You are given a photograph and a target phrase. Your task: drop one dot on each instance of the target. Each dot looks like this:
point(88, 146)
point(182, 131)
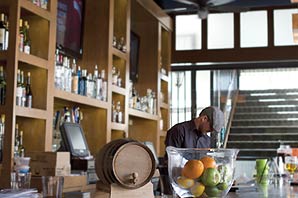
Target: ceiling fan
point(204, 6)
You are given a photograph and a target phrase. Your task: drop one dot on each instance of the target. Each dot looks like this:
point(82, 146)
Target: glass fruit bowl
point(201, 172)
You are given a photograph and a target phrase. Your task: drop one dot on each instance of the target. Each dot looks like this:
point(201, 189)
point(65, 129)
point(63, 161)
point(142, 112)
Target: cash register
point(74, 141)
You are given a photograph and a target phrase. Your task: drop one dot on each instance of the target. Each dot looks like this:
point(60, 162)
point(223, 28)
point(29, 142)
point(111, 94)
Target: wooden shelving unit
point(103, 20)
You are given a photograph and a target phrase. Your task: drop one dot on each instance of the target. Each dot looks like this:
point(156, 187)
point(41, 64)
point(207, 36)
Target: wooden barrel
point(126, 162)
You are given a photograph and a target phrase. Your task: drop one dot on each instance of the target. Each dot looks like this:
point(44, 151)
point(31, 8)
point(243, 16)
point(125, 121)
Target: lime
point(211, 177)
point(212, 191)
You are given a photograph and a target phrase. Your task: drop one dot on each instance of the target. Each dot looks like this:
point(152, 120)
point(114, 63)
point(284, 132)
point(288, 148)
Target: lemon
point(185, 182)
point(198, 189)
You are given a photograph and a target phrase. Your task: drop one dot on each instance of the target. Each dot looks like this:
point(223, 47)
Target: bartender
point(194, 133)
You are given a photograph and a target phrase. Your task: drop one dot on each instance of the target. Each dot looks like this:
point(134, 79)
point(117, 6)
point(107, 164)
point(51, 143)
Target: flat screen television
point(134, 56)
point(74, 139)
point(70, 27)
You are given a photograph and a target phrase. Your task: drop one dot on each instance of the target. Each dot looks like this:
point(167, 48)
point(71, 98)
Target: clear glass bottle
point(104, 88)
point(90, 86)
point(23, 103)
point(119, 113)
point(21, 36)
point(114, 112)
point(74, 78)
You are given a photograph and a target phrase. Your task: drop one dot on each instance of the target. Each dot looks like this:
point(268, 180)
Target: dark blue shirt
point(185, 135)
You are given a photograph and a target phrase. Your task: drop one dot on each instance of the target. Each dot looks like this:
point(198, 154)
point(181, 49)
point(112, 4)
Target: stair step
point(266, 91)
point(265, 115)
point(260, 144)
point(266, 122)
point(243, 97)
point(260, 136)
point(273, 108)
point(264, 130)
point(268, 102)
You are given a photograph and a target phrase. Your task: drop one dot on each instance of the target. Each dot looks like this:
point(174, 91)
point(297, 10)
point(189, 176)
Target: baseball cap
point(215, 116)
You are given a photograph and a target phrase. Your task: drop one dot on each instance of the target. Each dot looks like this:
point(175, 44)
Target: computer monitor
point(74, 139)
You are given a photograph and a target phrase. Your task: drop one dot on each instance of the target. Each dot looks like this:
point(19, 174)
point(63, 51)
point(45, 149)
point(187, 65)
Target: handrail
point(229, 124)
point(229, 108)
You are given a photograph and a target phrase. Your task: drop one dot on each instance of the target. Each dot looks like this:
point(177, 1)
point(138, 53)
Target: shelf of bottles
point(74, 83)
point(28, 126)
point(31, 83)
point(33, 34)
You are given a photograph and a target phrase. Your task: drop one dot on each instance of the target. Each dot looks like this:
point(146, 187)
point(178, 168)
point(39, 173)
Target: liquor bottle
point(6, 36)
point(90, 86)
point(29, 95)
point(104, 88)
point(98, 83)
point(21, 148)
point(79, 73)
point(2, 86)
point(74, 78)
point(114, 112)
point(16, 141)
point(83, 83)
point(27, 40)
point(119, 113)
point(2, 31)
point(114, 76)
point(23, 102)
point(59, 71)
point(67, 75)
point(2, 130)
point(19, 91)
point(95, 79)
point(21, 36)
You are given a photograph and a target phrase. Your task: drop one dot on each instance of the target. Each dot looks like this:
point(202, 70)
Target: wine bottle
point(29, 95)
point(74, 78)
point(21, 148)
point(2, 31)
point(23, 102)
point(27, 40)
point(2, 86)
point(21, 36)
point(19, 92)
point(2, 130)
point(16, 141)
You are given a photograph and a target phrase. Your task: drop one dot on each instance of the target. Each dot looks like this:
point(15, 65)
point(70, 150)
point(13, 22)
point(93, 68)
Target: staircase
point(262, 119)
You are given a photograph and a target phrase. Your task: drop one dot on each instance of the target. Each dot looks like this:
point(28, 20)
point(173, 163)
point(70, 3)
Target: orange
point(208, 162)
point(193, 169)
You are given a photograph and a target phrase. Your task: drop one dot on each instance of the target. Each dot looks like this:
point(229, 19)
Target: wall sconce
point(295, 27)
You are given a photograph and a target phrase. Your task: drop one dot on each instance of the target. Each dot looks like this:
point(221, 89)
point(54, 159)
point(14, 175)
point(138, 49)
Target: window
point(220, 31)
point(188, 32)
point(253, 29)
point(283, 33)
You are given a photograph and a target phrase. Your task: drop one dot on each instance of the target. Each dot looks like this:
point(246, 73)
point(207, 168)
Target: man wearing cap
point(193, 133)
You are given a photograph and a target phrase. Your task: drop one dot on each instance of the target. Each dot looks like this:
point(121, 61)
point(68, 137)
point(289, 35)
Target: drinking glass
point(291, 165)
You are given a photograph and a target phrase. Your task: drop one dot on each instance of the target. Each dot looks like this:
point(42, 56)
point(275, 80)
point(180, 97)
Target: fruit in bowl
point(201, 172)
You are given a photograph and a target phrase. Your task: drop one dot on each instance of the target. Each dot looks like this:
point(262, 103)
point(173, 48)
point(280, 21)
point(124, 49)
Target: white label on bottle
point(6, 40)
point(21, 42)
point(27, 49)
point(2, 38)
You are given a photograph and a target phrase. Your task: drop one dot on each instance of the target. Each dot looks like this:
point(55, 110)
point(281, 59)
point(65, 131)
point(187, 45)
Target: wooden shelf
point(31, 113)
point(164, 105)
point(119, 53)
point(118, 90)
point(3, 55)
point(164, 77)
point(118, 126)
point(28, 5)
point(80, 99)
point(141, 114)
point(33, 60)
